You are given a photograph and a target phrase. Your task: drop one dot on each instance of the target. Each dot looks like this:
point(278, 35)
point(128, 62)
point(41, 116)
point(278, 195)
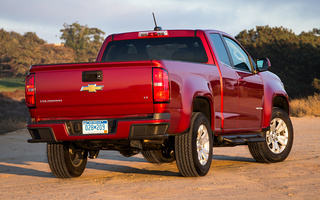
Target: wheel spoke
point(199, 149)
point(200, 130)
point(269, 137)
point(199, 156)
point(205, 140)
point(269, 142)
point(204, 135)
point(276, 147)
point(273, 147)
point(273, 125)
point(204, 155)
point(283, 140)
point(281, 126)
point(279, 121)
point(206, 151)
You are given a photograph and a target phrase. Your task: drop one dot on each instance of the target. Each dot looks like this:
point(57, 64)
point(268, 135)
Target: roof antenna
point(156, 28)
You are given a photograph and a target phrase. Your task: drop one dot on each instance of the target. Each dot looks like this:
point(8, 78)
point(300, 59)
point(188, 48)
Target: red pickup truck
point(172, 95)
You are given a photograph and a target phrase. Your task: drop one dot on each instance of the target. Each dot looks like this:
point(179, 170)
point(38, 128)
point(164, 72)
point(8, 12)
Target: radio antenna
point(156, 28)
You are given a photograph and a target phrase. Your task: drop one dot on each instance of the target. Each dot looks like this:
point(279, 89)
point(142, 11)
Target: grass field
point(11, 84)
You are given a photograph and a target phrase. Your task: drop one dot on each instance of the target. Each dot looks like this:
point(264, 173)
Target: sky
point(46, 17)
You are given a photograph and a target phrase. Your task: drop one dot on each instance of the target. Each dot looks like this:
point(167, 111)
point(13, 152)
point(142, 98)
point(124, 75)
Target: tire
point(128, 153)
point(66, 161)
point(278, 140)
point(158, 156)
point(194, 149)
point(163, 155)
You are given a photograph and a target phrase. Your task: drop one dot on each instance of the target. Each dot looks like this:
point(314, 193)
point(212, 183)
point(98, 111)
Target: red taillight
point(161, 89)
point(30, 91)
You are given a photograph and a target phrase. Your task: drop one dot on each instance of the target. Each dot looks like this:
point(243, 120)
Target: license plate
point(95, 127)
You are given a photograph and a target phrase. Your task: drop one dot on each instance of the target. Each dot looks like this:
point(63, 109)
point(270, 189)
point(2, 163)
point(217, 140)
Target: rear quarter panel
point(188, 81)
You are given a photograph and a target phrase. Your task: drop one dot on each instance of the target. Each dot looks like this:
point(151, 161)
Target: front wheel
point(194, 149)
point(65, 160)
point(278, 140)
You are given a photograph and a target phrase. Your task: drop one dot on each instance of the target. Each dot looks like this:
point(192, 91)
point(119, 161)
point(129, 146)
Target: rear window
point(188, 49)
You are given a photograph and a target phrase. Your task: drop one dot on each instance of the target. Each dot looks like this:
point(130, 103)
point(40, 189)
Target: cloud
point(46, 18)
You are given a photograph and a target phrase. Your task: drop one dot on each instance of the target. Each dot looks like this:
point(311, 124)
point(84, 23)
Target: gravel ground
point(25, 174)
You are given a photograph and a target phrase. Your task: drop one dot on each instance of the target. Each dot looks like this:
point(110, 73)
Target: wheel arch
point(204, 105)
point(281, 102)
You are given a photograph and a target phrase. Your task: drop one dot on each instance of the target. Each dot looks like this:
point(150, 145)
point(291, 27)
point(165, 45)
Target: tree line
point(295, 58)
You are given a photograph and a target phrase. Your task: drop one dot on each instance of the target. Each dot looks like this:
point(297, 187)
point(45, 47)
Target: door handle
point(92, 76)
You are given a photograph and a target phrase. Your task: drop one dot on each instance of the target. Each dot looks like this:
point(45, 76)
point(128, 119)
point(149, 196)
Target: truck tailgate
point(68, 90)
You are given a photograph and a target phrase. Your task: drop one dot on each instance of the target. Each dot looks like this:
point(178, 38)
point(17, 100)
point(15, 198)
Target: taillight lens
point(30, 91)
point(161, 88)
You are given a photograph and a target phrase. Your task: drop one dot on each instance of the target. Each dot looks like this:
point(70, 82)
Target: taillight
point(161, 88)
point(30, 91)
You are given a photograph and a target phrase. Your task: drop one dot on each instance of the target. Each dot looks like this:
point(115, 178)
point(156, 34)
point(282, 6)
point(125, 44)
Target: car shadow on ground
point(233, 158)
point(167, 169)
point(133, 170)
point(22, 171)
point(118, 157)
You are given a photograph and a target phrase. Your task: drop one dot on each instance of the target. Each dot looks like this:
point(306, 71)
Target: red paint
point(239, 101)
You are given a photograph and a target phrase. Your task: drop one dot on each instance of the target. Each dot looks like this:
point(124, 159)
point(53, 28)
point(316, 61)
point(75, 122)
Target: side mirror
point(263, 64)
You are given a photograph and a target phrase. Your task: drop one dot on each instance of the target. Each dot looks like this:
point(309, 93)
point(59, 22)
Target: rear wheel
point(65, 160)
point(194, 149)
point(128, 153)
point(278, 140)
point(163, 155)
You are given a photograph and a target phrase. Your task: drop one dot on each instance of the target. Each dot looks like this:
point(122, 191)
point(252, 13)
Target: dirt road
point(25, 174)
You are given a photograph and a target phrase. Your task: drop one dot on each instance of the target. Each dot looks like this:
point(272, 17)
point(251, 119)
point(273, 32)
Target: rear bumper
point(154, 127)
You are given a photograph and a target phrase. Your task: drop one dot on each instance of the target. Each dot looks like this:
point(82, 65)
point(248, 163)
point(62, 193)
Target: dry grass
point(309, 106)
point(12, 123)
point(13, 112)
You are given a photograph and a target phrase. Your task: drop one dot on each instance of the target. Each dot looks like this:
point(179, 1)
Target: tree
point(295, 58)
point(18, 52)
point(83, 40)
